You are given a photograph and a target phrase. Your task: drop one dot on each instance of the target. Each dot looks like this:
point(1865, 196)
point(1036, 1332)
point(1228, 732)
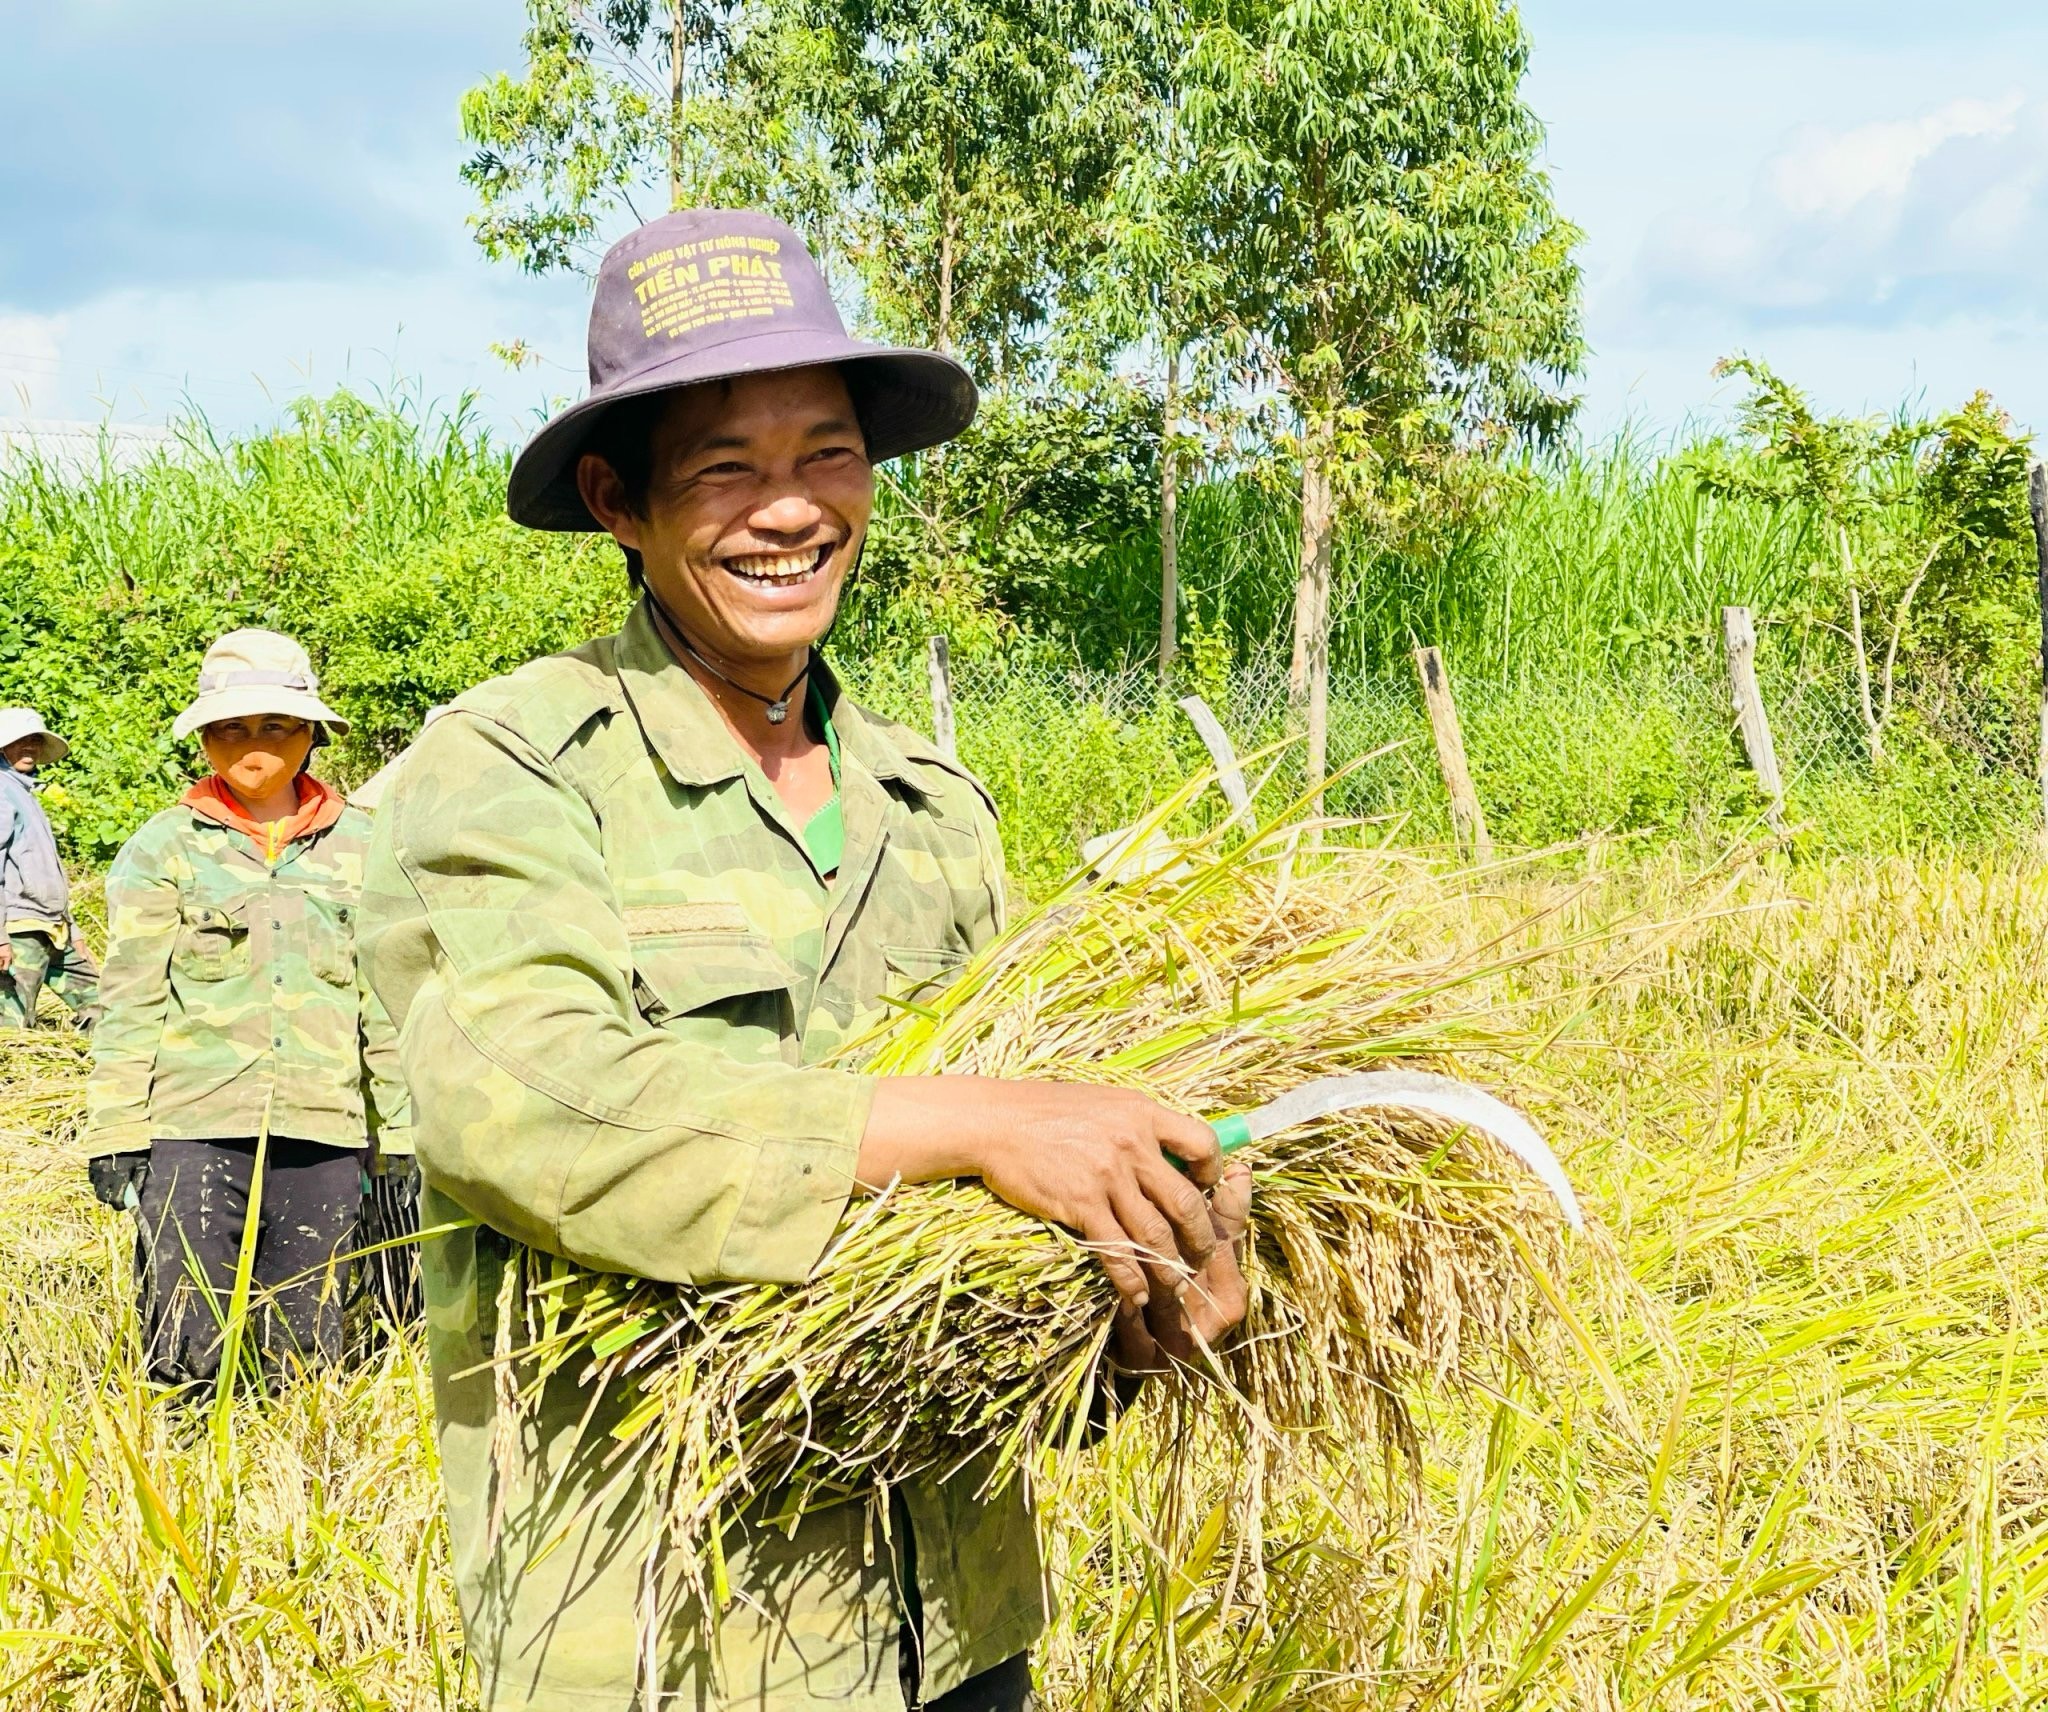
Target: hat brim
point(906, 400)
point(252, 702)
point(25, 723)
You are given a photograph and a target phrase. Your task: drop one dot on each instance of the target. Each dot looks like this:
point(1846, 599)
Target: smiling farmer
point(234, 1019)
point(622, 905)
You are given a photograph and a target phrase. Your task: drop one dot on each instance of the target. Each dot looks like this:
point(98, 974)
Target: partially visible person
point(42, 947)
point(388, 1247)
point(234, 1026)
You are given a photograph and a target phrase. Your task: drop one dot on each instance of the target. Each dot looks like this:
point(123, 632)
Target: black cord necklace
point(777, 706)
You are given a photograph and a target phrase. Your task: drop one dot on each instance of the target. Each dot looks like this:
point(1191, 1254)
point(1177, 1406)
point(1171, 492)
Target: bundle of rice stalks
point(944, 1329)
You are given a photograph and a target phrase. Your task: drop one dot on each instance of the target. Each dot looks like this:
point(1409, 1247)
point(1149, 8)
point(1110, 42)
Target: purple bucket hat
point(710, 294)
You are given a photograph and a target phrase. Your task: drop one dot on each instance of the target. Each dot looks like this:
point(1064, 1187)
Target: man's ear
point(605, 495)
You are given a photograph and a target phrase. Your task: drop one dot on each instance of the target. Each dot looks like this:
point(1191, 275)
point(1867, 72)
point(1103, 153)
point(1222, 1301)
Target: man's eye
point(723, 470)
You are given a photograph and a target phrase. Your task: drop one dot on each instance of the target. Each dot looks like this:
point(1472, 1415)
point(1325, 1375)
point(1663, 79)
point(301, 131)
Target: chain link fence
point(1069, 752)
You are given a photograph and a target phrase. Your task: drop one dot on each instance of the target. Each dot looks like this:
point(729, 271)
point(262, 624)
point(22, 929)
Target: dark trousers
point(193, 1209)
point(1007, 1688)
point(1004, 1688)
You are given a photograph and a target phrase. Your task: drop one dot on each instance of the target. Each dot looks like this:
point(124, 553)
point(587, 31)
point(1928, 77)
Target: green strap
point(825, 831)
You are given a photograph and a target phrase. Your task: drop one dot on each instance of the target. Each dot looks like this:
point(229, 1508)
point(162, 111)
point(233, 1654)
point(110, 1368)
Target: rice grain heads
point(945, 1333)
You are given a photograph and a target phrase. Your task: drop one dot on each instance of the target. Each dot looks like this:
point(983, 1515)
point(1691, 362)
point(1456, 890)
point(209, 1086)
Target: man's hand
point(1092, 1159)
point(1180, 1321)
point(6, 954)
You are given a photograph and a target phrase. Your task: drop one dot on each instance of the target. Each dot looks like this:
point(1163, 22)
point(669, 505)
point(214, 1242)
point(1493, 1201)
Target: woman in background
point(234, 1031)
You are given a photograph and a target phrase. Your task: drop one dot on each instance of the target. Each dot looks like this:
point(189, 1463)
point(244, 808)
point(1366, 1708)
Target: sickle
point(1409, 1091)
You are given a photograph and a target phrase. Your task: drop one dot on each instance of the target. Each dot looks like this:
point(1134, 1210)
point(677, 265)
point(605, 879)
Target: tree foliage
point(1393, 239)
point(1392, 243)
point(628, 108)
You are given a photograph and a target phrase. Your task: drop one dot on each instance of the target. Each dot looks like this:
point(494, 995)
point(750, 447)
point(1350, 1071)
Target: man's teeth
point(778, 567)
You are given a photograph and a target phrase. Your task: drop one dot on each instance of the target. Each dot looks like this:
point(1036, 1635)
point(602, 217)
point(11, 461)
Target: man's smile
point(780, 570)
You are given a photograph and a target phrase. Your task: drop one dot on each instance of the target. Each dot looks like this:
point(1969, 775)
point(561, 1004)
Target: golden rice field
point(1784, 1442)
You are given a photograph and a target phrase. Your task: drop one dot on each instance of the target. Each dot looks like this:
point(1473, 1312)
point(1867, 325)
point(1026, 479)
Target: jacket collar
point(685, 729)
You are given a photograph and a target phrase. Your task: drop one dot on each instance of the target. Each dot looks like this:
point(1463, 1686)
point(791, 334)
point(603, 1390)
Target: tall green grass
point(1581, 562)
point(1576, 608)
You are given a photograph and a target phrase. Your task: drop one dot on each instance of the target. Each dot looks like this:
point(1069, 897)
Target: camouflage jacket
point(231, 992)
point(615, 975)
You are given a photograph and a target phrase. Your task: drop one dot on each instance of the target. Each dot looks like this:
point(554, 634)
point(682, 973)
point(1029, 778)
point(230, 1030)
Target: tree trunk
point(947, 224)
point(1309, 678)
point(1169, 521)
point(678, 45)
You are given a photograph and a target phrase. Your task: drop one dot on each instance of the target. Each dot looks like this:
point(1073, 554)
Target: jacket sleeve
point(11, 829)
point(385, 1100)
point(135, 995)
point(543, 1102)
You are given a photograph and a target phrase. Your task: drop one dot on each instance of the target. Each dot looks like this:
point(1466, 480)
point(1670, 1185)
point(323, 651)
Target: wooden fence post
point(1468, 819)
point(2037, 501)
point(1738, 631)
point(939, 661)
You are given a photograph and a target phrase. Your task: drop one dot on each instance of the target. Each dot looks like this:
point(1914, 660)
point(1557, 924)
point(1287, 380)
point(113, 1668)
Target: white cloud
point(1888, 223)
point(239, 350)
point(31, 359)
point(1831, 175)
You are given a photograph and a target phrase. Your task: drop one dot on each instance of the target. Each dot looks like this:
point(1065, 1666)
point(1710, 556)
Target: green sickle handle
point(1232, 1133)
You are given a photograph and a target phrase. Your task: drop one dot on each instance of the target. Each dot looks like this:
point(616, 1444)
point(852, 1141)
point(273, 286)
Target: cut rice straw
point(946, 1335)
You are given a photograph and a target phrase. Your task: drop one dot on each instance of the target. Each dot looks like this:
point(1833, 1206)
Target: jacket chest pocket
point(331, 939)
point(728, 989)
point(916, 972)
point(212, 943)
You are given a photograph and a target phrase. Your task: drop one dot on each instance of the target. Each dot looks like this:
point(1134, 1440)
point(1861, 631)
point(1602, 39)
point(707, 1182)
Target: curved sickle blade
point(1414, 1091)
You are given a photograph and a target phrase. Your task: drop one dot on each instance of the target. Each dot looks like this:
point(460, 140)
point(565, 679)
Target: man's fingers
point(1230, 1207)
point(1185, 1208)
point(1153, 1238)
point(1112, 1249)
point(1192, 1142)
point(1216, 1303)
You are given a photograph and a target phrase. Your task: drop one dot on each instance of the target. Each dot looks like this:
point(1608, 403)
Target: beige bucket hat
point(251, 672)
point(19, 722)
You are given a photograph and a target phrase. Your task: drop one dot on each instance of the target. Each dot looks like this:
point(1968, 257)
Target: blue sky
point(235, 202)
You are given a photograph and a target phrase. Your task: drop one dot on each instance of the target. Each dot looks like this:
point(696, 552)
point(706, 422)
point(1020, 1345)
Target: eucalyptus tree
point(963, 132)
point(628, 108)
point(1154, 280)
point(1385, 229)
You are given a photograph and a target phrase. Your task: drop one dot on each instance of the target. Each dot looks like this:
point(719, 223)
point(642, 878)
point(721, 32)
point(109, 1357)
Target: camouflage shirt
point(615, 975)
point(231, 992)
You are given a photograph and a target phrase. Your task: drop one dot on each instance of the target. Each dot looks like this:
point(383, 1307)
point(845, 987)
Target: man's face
point(24, 754)
point(759, 501)
point(258, 756)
